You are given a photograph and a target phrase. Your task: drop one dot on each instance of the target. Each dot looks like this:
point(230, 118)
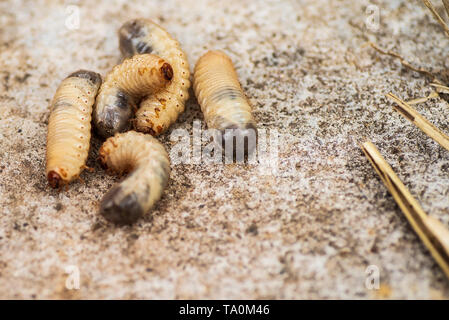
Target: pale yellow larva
point(128, 82)
point(147, 162)
point(222, 100)
point(158, 111)
point(68, 137)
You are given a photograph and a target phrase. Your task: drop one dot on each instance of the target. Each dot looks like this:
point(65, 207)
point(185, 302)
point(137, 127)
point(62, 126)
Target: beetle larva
point(68, 136)
point(222, 100)
point(147, 161)
point(157, 112)
point(129, 81)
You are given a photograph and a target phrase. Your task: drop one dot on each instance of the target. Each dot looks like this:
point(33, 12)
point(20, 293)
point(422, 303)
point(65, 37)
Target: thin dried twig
point(418, 120)
point(404, 62)
point(436, 15)
point(431, 231)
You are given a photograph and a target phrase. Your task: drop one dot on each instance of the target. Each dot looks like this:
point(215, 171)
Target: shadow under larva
point(69, 128)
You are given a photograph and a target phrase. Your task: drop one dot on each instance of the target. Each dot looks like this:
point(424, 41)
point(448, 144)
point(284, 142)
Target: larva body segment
point(222, 100)
point(128, 82)
point(149, 166)
point(157, 112)
point(68, 136)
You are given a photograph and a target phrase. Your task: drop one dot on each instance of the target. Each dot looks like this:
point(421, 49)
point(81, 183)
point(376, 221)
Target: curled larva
point(129, 81)
point(157, 112)
point(149, 166)
point(222, 100)
point(68, 137)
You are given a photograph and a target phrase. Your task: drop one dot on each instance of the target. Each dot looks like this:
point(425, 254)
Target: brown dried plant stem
point(436, 15)
point(440, 88)
point(446, 6)
point(404, 62)
point(431, 231)
point(418, 120)
point(432, 95)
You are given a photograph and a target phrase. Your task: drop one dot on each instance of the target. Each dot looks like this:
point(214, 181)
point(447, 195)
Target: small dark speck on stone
point(259, 85)
point(19, 131)
point(201, 206)
point(96, 226)
point(252, 229)
point(58, 206)
point(23, 78)
point(300, 51)
point(149, 270)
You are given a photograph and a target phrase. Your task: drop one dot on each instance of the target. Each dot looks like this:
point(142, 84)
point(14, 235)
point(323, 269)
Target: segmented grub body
point(221, 98)
point(157, 112)
point(147, 162)
point(128, 82)
point(68, 137)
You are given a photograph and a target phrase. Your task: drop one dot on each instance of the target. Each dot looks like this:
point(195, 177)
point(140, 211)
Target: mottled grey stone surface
point(232, 231)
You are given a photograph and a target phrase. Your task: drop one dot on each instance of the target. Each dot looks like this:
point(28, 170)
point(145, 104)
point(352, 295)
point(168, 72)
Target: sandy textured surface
point(232, 231)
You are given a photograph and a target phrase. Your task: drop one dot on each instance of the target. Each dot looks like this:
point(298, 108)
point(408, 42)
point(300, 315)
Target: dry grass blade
point(436, 15)
point(431, 231)
point(432, 95)
point(440, 88)
point(446, 6)
point(418, 120)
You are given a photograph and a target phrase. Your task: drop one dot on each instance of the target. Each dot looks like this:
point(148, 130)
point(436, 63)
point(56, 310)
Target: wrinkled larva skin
point(157, 112)
point(221, 98)
point(68, 137)
point(128, 82)
point(149, 166)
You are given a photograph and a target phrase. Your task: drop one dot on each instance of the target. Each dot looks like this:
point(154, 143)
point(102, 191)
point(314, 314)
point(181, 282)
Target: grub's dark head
point(93, 77)
point(54, 179)
point(167, 71)
point(132, 38)
point(120, 208)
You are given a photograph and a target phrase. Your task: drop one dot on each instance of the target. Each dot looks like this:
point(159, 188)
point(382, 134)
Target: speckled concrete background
point(232, 231)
